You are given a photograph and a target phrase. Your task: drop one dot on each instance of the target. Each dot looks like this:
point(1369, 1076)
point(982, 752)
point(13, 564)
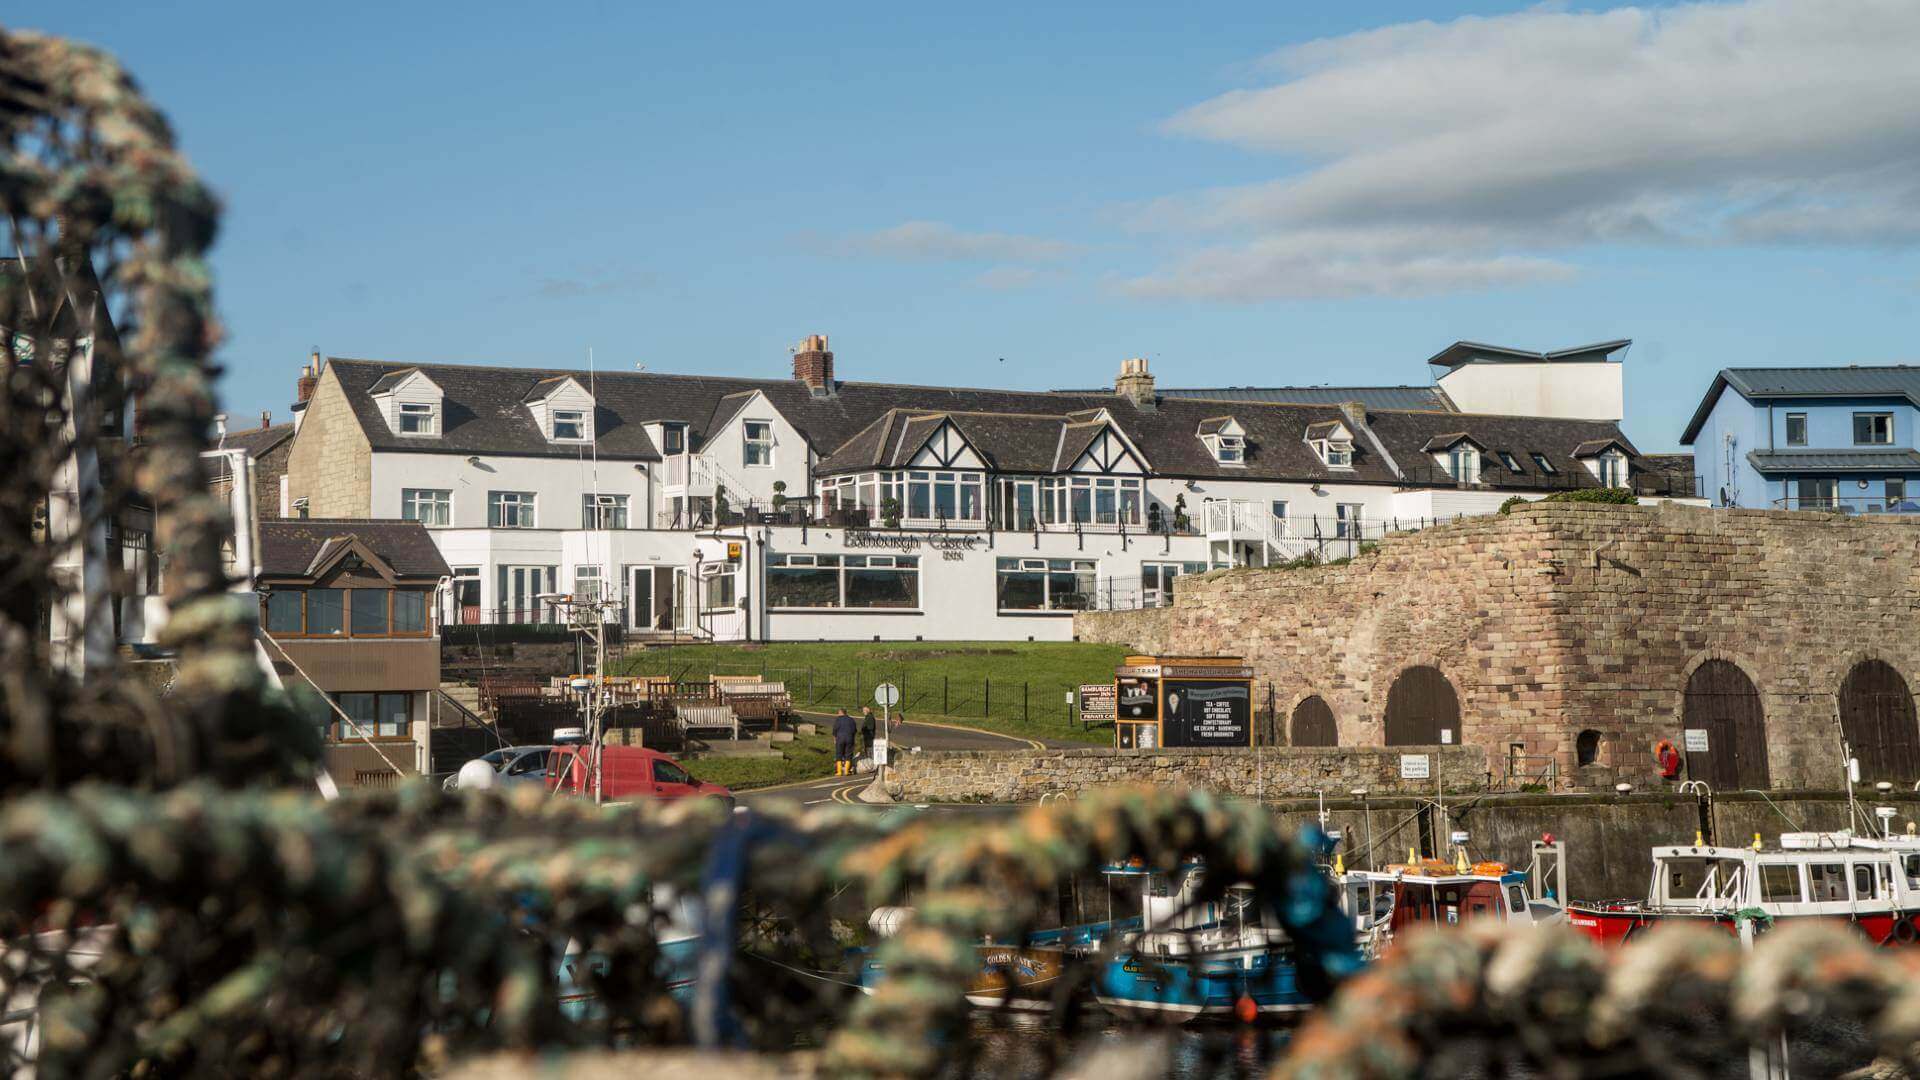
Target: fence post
point(856, 685)
point(986, 699)
point(1025, 716)
point(810, 697)
point(946, 709)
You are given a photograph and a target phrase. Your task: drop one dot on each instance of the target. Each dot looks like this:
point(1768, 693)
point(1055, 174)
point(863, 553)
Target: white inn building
point(815, 508)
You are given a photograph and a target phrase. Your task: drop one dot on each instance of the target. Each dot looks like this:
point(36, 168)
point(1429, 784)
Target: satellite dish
point(1723, 497)
point(475, 775)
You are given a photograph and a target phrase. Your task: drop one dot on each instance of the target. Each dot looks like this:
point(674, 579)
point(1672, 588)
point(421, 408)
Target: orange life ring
point(1668, 758)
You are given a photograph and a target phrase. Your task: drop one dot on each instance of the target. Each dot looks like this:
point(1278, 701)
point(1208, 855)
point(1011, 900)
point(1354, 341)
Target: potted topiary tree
point(1181, 522)
point(890, 512)
point(1153, 518)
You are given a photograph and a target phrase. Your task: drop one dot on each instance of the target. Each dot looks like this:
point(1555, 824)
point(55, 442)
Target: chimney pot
point(309, 378)
point(1135, 383)
point(266, 419)
point(813, 365)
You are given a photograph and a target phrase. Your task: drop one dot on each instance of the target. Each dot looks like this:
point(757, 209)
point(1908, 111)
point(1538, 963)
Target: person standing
point(844, 731)
point(866, 731)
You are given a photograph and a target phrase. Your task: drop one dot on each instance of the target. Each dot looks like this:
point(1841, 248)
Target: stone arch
point(1877, 717)
point(1719, 697)
point(1423, 708)
point(1313, 723)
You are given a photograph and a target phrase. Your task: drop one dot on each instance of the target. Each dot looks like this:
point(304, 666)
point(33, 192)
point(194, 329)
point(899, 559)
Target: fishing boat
point(1870, 881)
point(1021, 975)
point(1434, 892)
point(676, 963)
point(1194, 959)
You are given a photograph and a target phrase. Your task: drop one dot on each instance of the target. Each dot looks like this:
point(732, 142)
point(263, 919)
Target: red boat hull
point(1621, 925)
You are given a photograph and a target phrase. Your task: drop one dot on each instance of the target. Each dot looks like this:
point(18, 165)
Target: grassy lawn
point(807, 757)
point(1013, 687)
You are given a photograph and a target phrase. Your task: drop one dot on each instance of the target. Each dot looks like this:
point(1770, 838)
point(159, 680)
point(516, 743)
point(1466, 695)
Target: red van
point(630, 772)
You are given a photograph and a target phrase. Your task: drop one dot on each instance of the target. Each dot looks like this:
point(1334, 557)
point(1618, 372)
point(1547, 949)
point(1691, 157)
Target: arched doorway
point(1877, 717)
point(1313, 724)
point(1422, 709)
point(1724, 703)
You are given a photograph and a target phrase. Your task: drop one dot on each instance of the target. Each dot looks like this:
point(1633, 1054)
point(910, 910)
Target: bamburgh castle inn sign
point(949, 545)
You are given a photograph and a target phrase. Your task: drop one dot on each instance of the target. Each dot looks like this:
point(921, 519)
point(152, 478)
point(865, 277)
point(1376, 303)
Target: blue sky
point(1024, 195)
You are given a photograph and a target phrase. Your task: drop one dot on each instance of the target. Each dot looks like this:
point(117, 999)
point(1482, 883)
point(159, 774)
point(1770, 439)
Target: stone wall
point(331, 462)
point(1025, 775)
point(1143, 631)
point(1567, 618)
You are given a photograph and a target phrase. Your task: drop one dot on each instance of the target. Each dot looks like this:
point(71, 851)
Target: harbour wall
point(1569, 639)
point(1025, 775)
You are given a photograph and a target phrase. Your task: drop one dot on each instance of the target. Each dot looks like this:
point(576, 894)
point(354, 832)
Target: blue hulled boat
point(1193, 960)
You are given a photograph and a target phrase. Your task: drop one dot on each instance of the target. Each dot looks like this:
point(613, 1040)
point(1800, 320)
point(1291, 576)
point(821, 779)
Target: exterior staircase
point(1242, 532)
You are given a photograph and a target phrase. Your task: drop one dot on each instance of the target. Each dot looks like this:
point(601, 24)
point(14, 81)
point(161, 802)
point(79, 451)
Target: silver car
point(514, 766)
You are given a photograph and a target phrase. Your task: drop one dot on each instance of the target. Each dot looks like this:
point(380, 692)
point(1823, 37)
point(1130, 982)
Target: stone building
point(1569, 640)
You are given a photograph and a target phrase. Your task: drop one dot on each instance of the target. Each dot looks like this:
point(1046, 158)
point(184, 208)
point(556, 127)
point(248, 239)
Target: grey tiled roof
point(259, 440)
point(1889, 381)
point(1774, 461)
point(287, 547)
point(1373, 397)
point(1407, 434)
point(862, 425)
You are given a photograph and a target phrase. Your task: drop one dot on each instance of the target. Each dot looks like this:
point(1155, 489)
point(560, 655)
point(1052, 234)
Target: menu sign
point(1136, 699)
point(1099, 703)
point(1207, 712)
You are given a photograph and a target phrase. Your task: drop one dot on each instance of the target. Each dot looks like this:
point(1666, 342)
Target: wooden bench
point(693, 716)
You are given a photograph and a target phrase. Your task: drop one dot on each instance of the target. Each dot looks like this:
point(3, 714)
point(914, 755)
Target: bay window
point(1046, 584)
point(945, 496)
point(361, 613)
point(1019, 505)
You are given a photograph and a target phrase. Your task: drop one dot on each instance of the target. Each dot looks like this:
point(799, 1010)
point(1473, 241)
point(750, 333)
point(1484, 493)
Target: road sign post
point(886, 695)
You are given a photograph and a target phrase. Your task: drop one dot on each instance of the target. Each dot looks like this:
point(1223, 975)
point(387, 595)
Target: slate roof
point(862, 425)
point(1774, 461)
point(258, 441)
point(1467, 352)
point(1762, 384)
point(1447, 440)
point(288, 547)
point(1596, 447)
point(1373, 397)
point(1407, 434)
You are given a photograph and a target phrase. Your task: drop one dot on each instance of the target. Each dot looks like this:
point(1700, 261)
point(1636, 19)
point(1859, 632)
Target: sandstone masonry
point(331, 462)
point(1566, 618)
point(1025, 775)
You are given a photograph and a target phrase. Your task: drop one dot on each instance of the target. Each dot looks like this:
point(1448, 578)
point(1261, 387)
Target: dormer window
point(1512, 463)
point(569, 425)
point(1334, 453)
point(673, 439)
point(1463, 464)
point(1612, 469)
point(1225, 439)
point(1540, 462)
point(418, 419)
point(1332, 443)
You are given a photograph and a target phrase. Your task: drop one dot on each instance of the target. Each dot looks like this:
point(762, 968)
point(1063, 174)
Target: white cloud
point(934, 241)
point(1462, 155)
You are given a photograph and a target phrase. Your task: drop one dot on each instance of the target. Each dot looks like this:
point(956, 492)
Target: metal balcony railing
point(1849, 504)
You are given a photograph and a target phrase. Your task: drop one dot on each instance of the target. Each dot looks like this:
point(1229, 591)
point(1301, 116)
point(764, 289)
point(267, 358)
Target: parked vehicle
point(627, 773)
point(512, 766)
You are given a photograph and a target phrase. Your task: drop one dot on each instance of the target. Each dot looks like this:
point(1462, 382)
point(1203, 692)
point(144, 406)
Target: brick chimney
point(309, 378)
point(813, 365)
point(266, 419)
point(1356, 414)
point(1135, 383)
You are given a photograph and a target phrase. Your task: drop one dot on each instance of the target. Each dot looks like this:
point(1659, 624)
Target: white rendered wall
point(1579, 391)
point(559, 483)
point(725, 449)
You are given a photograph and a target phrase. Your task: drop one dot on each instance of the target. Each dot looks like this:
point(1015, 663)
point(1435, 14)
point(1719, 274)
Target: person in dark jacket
point(866, 731)
point(844, 731)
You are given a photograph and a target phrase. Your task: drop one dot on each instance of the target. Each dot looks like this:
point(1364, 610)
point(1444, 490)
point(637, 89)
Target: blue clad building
point(1834, 438)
